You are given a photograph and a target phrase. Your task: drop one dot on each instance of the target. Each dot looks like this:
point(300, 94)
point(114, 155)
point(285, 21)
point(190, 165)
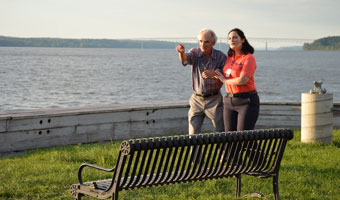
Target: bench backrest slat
point(212, 153)
point(176, 174)
point(203, 167)
point(247, 163)
point(181, 164)
point(266, 153)
point(271, 153)
point(132, 180)
point(146, 177)
point(126, 175)
point(170, 176)
point(142, 166)
point(279, 154)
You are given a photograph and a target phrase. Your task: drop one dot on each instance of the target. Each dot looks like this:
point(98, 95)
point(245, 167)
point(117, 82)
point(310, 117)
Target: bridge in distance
point(261, 43)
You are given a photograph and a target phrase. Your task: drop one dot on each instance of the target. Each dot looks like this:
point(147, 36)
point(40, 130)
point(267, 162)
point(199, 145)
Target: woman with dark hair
point(241, 104)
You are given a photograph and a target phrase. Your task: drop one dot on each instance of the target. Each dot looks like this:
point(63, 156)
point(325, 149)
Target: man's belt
point(206, 95)
point(244, 94)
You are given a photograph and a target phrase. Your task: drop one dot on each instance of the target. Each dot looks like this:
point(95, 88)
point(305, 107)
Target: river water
point(33, 78)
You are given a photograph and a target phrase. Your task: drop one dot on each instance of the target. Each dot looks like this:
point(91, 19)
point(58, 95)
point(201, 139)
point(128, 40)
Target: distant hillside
point(331, 43)
point(88, 43)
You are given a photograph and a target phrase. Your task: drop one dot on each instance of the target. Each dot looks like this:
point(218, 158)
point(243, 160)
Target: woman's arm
point(237, 81)
point(234, 81)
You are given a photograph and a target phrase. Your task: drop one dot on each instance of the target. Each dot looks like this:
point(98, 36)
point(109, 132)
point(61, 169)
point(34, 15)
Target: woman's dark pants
point(241, 113)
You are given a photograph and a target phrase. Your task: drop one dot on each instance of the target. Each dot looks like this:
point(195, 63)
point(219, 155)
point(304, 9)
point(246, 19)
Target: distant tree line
point(331, 43)
point(88, 43)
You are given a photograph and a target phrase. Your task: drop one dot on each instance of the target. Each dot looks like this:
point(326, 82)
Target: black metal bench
point(177, 159)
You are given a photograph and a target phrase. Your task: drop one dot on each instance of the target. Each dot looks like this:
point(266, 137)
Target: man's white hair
point(211, 32)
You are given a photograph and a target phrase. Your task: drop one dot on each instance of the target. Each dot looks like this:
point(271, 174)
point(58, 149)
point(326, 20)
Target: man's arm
point(211, 73)
point(208, 74)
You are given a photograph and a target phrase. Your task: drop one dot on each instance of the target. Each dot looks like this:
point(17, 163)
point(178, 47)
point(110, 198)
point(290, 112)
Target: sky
point(130, 19)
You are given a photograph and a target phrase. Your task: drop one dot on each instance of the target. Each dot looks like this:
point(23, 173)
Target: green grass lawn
point(308, 171)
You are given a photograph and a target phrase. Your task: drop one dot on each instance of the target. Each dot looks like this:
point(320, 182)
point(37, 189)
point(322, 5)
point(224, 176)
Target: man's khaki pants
point(212, 107)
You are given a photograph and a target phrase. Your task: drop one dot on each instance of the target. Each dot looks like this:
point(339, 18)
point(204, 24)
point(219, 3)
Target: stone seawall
point(29, 129)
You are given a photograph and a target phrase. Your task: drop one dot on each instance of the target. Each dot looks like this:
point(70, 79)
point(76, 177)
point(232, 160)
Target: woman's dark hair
point(246, 47)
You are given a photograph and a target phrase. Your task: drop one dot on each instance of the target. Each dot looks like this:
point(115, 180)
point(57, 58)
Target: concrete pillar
point(316, 118)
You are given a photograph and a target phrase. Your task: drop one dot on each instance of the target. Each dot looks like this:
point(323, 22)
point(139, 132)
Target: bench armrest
point(92, 166)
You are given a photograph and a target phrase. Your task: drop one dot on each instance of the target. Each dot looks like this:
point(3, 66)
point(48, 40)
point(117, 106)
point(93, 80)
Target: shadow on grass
point(336, 143)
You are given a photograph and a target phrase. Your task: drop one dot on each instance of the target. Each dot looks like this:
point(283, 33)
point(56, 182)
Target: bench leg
point(79, 196)
point(276, 187)
point(238, 185)
point(115, 196)
point(74, 188)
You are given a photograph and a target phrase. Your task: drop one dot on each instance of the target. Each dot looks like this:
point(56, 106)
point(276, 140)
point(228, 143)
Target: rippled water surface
point(33, 78)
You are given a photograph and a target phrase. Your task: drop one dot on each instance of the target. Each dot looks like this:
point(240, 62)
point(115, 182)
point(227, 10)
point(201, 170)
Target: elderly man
point(206, 99)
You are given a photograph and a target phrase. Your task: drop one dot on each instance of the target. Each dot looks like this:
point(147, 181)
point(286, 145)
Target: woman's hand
point(219, 75)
